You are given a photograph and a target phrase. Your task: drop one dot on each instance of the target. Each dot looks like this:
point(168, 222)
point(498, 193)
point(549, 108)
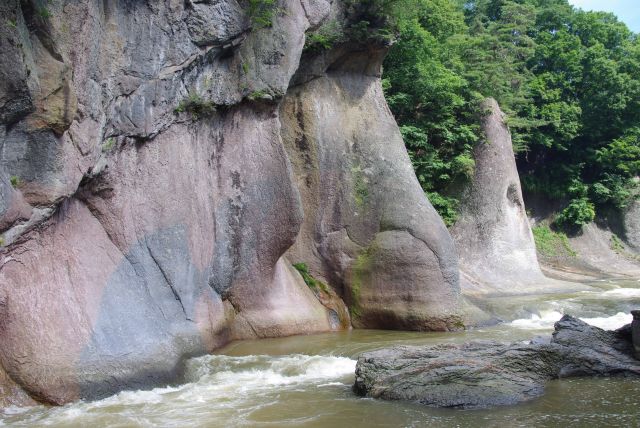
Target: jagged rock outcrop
point(493, 236)
point(483, 374)
point(147, 199)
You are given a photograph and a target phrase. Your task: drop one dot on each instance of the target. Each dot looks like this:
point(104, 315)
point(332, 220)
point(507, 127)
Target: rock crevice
point(163, 163)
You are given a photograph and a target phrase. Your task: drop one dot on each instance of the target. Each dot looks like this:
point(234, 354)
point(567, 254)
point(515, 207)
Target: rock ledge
point(488, 373)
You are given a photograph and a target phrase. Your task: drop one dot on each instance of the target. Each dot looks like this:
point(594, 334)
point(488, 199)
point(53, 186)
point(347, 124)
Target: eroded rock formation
point(147, 200)
point(631, 225)
point(368, 229)
point(493, 236)
point(483, 374)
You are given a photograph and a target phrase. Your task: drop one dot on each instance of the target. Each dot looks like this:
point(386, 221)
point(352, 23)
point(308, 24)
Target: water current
point(305, 381)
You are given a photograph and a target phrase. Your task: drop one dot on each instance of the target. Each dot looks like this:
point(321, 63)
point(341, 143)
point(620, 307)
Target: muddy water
point(305, 381)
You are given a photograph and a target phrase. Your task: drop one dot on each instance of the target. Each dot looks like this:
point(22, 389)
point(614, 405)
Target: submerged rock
point(484, 374)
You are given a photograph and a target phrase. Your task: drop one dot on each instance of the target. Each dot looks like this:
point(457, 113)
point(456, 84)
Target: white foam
point(15, 410)
point(219, 385)
point(610, 323)
point(332, 384)
point(622, 292)
point(546, 319)
point(228, 379)
point(266, 371)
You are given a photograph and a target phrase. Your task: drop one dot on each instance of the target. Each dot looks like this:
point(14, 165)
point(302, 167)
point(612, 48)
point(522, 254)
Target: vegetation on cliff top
point(569, 81)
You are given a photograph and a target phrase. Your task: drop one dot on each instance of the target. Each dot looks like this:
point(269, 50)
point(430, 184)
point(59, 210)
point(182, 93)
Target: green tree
point(569, 81)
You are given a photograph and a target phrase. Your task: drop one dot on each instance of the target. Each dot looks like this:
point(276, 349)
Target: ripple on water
point(307, 382)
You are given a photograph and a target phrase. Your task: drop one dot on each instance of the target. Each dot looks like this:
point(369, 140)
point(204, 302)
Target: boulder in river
point(488, 373)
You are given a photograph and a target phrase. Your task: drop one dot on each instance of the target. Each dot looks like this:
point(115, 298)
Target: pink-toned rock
point(157, 200)
point(493, 236)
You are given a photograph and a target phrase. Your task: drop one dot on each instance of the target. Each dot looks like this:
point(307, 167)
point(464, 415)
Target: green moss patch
point(312, 283)
point(550, 243)
point(360, 271)
point(360, 187)
point(195, 105)
point(15, 181)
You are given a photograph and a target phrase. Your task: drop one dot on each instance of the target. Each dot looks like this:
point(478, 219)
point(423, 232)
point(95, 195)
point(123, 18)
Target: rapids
point(305, 381)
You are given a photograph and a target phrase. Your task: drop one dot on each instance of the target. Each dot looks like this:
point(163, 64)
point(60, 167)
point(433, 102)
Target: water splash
point(621, 293)
point(546, 319)
point(219, 387)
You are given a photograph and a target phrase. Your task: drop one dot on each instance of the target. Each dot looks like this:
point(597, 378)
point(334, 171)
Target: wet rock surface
point(485, 374)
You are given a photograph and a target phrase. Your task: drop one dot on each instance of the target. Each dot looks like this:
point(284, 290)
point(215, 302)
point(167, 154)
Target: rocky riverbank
point(162, 167)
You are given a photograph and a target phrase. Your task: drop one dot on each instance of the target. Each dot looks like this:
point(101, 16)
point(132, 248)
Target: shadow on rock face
point(368, 230)
point(158, 302)
point(493, 236)
point(159, 232)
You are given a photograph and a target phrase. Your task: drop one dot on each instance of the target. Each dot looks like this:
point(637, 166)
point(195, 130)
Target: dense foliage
point(569, 81)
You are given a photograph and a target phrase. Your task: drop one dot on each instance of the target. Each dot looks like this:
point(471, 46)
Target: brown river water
point(305, 381)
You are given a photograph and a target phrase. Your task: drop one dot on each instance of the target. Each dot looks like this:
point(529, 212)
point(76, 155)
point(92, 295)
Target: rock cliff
point(493, 236)
point(163, 163)
point(631, 225)
point(368, 228)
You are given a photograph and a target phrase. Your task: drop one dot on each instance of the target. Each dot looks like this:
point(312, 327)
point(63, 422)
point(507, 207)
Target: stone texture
point(484, 374)
point(596, 250)
point(603, 248)
point(631, 225)
point(155, 237)
point(635, 333)
point(216, 23)
point(368, 229)
point(11, 394)
point(13, 208)
point(493, 236)
point(139, 235)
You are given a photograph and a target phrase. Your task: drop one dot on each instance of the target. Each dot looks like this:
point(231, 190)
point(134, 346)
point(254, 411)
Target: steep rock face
point(368, 228)
point(493, 235)
point(152, 236)
point(147, 199)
